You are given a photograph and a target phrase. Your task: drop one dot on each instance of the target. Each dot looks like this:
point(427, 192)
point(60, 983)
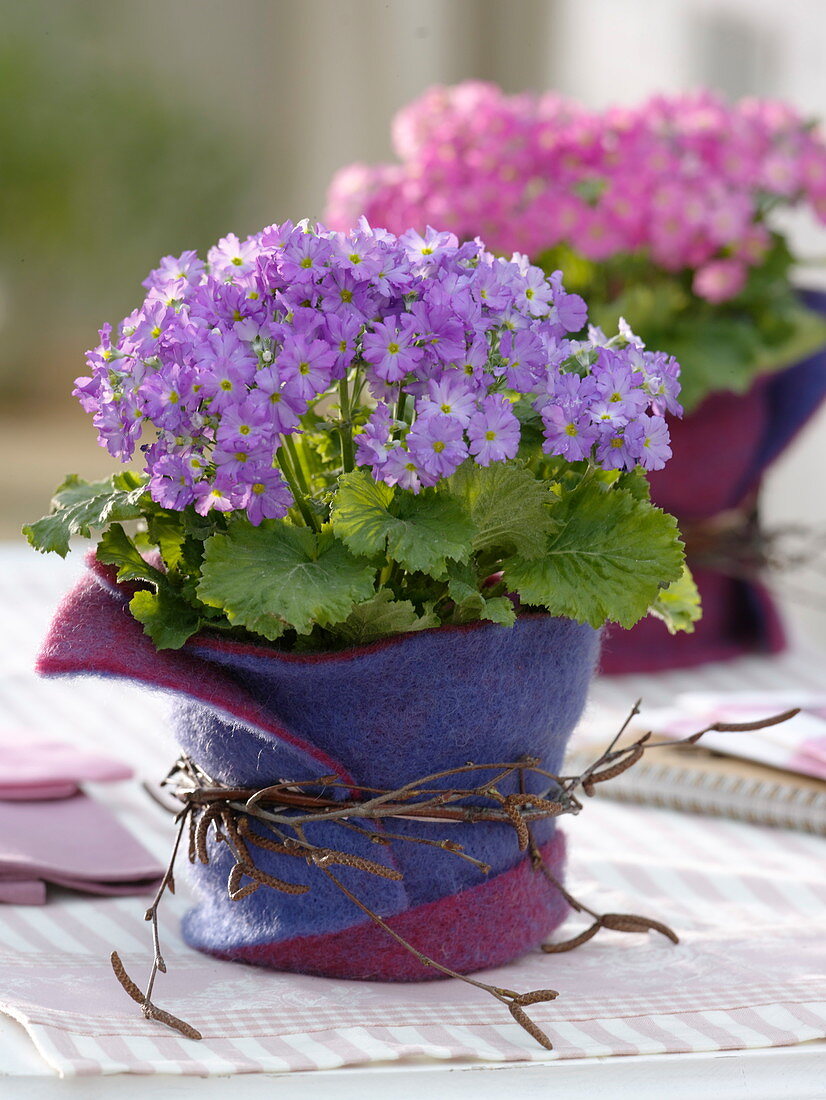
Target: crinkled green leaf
point(167, 618)
point(499, 609)
point(381, 616)
point(166, 531)
point(116, 548)
point(472, 605)
point(607, 560)
point(508, 506)
point(80, 505)
point(276, 575)
point(419, 532)
point(678, 605)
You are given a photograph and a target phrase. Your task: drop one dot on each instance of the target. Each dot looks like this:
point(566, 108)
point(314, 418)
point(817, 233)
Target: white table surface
point(797, 1072)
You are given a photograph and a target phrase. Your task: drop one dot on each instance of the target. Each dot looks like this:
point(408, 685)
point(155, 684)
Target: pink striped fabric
point(749, 904)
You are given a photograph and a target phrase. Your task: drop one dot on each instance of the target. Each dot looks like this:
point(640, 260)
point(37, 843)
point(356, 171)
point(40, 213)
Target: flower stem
point(400, 403)
point(298, 496)
point(298, 468)
point(346, 429)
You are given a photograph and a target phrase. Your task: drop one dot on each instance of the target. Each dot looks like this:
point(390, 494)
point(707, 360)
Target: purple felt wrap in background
point(721, 452)
point(381, 716)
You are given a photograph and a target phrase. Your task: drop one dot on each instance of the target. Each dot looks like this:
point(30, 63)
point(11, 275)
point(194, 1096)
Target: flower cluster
point(685, 180)
point(420, 351)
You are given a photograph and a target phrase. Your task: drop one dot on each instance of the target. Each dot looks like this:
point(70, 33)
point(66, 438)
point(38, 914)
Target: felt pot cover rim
point(209, 641)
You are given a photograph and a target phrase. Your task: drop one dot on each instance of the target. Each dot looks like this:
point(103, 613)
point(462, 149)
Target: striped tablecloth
point(749, 903)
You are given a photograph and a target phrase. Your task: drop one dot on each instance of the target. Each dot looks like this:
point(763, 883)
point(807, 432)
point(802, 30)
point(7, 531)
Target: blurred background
point(130, 129)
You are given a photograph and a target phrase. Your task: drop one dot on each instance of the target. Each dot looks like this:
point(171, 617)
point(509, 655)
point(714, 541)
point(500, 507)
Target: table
point(29, 588)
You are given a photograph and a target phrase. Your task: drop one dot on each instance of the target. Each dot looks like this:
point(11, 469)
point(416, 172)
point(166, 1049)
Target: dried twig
point(283, 810)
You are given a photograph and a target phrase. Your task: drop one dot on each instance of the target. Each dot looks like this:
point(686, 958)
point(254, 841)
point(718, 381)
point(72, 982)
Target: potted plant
point(387, 505)
point(664, 214)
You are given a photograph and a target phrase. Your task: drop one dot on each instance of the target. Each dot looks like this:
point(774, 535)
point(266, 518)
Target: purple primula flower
point(424, 250)
point(536, 295)
point(223, 359)
point(401, 468)
point(493, 431)
point(281, 402)
point(390, 348)
point(616, 383)
point(571, 311)
point(171, 482)
point(305, 257)
point(267, 497)
point(523, 360)
point(341, 332)
point(217, 496)
point(187, 267)
point(230, 259)
point(568, 433)
point(437, 444)
point(169, 397)
point(655, 450)
point(372, 442)
point(307, 364)
point(342, 294)
point(442, 333)
point(245, 427)
point(451, 393)
point(226, 367)
point(620, 449)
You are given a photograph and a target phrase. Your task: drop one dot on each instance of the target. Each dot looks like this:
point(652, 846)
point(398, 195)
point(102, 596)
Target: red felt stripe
point(484, 926)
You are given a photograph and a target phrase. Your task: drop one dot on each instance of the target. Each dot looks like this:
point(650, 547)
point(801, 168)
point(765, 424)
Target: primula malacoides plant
point(350, 435)
point(661, 213)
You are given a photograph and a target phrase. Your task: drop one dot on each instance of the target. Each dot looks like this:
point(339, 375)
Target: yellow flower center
point(438, 446)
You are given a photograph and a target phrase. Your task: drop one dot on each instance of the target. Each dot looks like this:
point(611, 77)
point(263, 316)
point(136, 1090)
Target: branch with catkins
point(286, 808)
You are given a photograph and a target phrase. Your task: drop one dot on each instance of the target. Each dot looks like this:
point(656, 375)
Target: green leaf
point(419, 532)
point(607, 560)
point(508, 506)
point(500, 610)
point(167, 618)
point(166, 531)
point(275, 576)
point(79, 505)
point(678, 605)
point(472, 605)
point(116, 548)
point(380, 617)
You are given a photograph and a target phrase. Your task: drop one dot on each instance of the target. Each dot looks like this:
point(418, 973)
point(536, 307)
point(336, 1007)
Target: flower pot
point(712, 484)
point(376, 716)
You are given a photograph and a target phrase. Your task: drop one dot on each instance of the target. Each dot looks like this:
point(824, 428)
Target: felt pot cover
point(721, 452)
point(379, 716)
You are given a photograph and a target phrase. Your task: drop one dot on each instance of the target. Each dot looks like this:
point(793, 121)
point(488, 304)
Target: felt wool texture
point(720, 454)
point(380, 716)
